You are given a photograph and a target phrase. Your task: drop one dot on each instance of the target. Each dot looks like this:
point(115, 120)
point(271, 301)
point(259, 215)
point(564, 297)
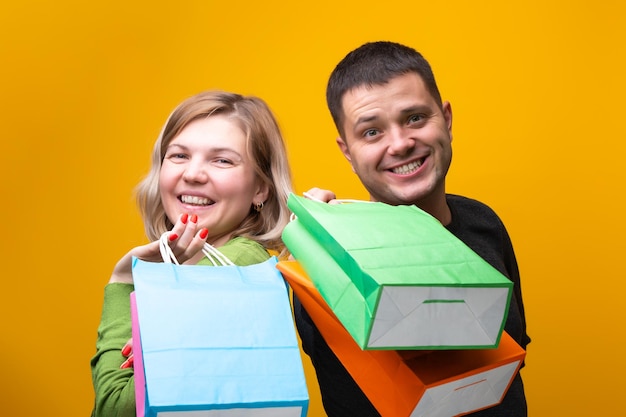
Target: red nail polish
point(125, 365)
point(194, 218)
point(172, 237)
point(126, 350)
point(204, 233)
point(184, 218)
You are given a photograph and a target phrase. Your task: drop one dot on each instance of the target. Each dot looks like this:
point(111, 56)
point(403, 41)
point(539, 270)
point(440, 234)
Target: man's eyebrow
point(404, 111)
point(415, 108)
point(365, 119)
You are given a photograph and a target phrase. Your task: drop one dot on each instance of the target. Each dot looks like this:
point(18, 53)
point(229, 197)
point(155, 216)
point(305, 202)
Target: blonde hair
point(265, 147)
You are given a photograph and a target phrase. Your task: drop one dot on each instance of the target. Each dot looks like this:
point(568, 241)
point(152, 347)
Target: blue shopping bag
point(218, 341)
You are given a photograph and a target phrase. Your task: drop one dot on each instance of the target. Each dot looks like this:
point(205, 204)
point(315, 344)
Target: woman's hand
point(127, 351)
point(185, 240)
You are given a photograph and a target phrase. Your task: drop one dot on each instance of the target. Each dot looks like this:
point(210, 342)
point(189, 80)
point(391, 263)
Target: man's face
point(398, 140)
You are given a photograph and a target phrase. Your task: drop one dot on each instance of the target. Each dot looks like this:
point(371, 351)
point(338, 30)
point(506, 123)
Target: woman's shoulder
point(244, 251)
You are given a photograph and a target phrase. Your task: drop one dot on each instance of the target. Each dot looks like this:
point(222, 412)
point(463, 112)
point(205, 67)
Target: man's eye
point(415, 118)
point(370, 132)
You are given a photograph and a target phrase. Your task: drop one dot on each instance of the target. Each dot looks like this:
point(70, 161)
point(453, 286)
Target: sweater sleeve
point(114, 387)
point(514, 274)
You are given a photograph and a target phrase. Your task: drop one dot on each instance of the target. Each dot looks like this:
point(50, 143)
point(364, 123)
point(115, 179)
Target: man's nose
point(400, 141)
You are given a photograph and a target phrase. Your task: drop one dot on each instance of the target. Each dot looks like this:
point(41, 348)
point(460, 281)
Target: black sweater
point(482, 230)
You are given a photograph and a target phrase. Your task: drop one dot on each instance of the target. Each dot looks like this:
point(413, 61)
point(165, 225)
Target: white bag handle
point(211, 252)
point(216, 257)
point(340, 200)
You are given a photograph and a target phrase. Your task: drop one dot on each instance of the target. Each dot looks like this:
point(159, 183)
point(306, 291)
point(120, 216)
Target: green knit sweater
point(114, 387)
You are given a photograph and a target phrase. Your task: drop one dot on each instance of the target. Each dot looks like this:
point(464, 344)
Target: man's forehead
point(410, 80)
point(401, 94)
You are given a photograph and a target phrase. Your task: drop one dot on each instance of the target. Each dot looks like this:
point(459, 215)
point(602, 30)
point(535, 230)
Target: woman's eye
point(223, 161)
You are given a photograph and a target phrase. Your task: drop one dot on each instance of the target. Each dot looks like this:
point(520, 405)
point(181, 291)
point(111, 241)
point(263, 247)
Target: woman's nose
point(195, 172)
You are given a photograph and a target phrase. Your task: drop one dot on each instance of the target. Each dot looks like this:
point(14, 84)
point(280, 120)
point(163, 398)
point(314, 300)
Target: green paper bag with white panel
point(396, 278)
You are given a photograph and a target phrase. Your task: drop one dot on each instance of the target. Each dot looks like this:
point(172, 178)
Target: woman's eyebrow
point(176, 145)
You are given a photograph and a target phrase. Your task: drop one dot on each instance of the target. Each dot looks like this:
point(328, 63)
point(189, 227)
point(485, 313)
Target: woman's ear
point(261, 194)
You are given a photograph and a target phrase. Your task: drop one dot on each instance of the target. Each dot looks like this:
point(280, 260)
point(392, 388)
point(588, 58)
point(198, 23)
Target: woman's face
point(207, 172)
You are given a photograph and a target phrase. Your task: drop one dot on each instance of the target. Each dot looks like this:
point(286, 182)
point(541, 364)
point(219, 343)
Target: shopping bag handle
point(216, 257)
point(339, 200)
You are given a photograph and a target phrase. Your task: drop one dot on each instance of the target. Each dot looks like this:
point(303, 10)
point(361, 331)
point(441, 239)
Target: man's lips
point(409, 168)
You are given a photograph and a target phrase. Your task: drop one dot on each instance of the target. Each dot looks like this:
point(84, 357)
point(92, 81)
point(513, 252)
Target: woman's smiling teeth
point(408, 168)
point(195, 200)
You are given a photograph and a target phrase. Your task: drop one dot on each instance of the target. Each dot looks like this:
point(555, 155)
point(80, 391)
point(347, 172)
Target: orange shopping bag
point(440, 383)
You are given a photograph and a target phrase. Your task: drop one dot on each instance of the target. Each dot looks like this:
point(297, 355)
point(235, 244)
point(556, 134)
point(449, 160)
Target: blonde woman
point(219, 175)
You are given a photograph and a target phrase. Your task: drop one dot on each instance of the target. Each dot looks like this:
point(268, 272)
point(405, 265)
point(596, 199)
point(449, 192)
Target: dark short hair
point(375, 63)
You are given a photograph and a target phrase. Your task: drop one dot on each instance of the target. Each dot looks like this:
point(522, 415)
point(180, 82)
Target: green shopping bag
point(396, 278)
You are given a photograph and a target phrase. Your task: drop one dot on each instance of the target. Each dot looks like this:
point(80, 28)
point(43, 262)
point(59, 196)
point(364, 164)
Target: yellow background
point(538, 95)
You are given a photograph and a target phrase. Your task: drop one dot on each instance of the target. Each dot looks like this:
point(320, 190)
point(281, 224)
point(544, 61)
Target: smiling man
point(396, 132)
point(398, 139)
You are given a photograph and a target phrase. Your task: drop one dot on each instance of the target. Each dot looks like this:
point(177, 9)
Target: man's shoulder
point(462, 201)
point(463, 207)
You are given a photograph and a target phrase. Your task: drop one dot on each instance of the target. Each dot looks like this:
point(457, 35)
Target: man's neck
point(435, 205)
point(438, 208)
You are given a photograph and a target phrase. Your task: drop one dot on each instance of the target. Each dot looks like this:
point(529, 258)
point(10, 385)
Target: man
point(396, 133)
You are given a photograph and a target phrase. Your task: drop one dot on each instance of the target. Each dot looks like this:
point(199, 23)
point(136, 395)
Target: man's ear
point(447, 115)
point(344, 148)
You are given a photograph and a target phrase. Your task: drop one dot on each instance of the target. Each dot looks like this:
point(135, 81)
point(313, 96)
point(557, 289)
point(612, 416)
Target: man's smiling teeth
point(198, 201)
point(408, 168)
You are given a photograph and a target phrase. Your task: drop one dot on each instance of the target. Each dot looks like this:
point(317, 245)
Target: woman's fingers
point(186, 238)
point(122, 272)
point(128, 363)
point(127, 351)
point(128, 348)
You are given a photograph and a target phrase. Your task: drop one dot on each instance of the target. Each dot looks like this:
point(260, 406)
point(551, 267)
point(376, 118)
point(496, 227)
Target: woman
point(219, 175)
